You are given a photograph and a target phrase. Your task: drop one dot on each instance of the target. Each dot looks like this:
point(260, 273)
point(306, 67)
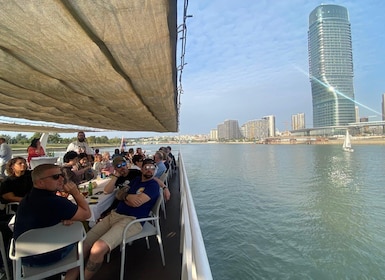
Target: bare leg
point(96, 258)
point(73, 273)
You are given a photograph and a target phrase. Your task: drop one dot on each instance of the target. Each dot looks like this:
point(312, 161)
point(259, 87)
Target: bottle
point(90, 188)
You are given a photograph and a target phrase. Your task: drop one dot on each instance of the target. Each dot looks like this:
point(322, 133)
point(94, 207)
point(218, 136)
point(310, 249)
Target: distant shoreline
point(378, 140)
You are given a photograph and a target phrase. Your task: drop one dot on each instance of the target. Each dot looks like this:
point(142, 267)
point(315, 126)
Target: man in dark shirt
point(41, 207)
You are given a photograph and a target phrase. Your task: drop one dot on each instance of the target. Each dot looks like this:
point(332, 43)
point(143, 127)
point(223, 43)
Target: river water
point(290, 211)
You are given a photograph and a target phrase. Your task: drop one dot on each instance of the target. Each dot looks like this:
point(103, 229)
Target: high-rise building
point(298, 121)
point(331, 66)
point(213, 134)
point(383, 107)
point(271, 125)
point(229, 130)
point(256, 129)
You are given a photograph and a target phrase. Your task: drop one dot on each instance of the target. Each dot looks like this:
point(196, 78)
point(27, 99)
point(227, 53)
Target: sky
point(248, 59)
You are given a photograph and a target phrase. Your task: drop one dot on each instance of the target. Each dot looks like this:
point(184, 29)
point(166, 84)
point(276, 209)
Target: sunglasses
point(121, 164)
point(55, 176)
point(148, 167)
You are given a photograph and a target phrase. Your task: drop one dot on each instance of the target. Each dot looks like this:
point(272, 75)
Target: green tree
point(7, 138)
point(54, 138)
point(102, 139)
point(21, 139)
point(91, 140)
point(35, 135)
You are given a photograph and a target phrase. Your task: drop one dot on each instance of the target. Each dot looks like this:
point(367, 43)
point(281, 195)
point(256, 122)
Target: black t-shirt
point(132, 174)
point(20, 186)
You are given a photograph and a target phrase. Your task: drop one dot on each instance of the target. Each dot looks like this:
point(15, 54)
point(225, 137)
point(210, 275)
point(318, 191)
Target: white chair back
point(43, 240)
point(150, 227)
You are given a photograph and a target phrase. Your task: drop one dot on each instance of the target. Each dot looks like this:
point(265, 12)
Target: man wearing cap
point(122, 176)
point(107, 234)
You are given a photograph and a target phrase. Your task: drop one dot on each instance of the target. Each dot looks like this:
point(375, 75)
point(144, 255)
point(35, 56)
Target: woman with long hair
point(35, 150)
point(18, 182)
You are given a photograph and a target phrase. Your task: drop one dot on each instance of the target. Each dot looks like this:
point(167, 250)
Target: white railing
point(195, 264)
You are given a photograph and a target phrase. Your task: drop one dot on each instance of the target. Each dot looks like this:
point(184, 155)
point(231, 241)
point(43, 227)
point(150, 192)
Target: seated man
point(122, 177)
point(161, 167)
point(41, 207)
point(107, 234)
point(70, 159)
point(83, 168)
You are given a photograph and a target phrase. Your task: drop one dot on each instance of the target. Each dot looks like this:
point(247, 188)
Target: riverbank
point(372, 140)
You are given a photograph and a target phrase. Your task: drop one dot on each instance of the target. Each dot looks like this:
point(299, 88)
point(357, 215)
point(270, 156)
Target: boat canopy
point(96, 64)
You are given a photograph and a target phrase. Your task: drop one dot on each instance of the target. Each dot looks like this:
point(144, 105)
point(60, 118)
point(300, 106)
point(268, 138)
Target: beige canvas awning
point(97, 64)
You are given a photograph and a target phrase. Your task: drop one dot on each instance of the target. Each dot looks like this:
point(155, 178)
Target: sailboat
point(347, 145)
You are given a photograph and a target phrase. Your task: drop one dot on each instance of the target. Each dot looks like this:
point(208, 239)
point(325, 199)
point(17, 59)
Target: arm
point(136, 200)
point(2, 150)
point(111, 184)
point(11, 197)
point(166, 191)
point(81, 171)
point(83, 212)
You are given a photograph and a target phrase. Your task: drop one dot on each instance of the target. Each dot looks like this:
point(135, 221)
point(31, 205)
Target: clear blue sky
point(249, 58)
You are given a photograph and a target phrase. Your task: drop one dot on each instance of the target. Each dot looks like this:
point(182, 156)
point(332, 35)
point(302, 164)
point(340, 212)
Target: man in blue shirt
point(161, 167)
point(107, 234)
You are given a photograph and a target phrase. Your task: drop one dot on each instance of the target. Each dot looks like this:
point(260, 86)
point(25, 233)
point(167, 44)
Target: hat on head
point(117, 160)
point(148, 161)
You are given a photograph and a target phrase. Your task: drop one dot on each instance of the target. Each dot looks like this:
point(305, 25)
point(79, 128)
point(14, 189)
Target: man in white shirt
point(80, 146)
point(5, 155)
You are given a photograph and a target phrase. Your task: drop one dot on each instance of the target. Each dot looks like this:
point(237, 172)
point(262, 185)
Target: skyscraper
point(331, 66)
point(298, 121)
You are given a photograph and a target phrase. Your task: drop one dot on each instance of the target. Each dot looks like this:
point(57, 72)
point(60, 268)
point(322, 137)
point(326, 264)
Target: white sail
point(347, 145)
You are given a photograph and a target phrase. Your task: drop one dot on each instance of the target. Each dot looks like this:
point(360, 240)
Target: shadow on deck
point(147, 264)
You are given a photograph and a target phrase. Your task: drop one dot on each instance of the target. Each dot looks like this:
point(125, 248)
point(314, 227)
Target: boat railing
point(195, 264)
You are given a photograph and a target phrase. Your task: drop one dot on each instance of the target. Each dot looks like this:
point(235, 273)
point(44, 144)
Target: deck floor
point(147, 264)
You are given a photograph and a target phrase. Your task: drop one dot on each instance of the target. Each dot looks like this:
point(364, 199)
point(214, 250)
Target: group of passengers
point(135, 175)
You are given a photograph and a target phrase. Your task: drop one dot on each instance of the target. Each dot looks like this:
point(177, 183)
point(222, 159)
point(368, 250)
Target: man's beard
point(147, 176)
point(81, 139)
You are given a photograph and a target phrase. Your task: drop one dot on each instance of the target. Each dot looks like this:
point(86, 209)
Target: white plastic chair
point(164, 179)
point(150, 227)
point(9, 208)
point(4, 257)
point(43, 240)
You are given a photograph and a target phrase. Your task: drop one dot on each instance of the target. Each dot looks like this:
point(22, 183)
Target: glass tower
point(331, 66)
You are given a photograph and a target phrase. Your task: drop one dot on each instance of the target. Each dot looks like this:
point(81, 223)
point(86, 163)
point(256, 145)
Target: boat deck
point(147, 264)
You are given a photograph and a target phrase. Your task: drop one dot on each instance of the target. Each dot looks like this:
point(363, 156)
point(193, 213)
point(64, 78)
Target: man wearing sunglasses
point(122, 176)
point(107, 234)
point(41, 207)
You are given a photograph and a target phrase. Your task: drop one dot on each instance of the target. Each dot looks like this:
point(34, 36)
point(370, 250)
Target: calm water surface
point(290, 211)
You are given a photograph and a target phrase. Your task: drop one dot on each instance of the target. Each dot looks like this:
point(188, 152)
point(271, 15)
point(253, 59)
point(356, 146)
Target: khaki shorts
point(110, 230)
